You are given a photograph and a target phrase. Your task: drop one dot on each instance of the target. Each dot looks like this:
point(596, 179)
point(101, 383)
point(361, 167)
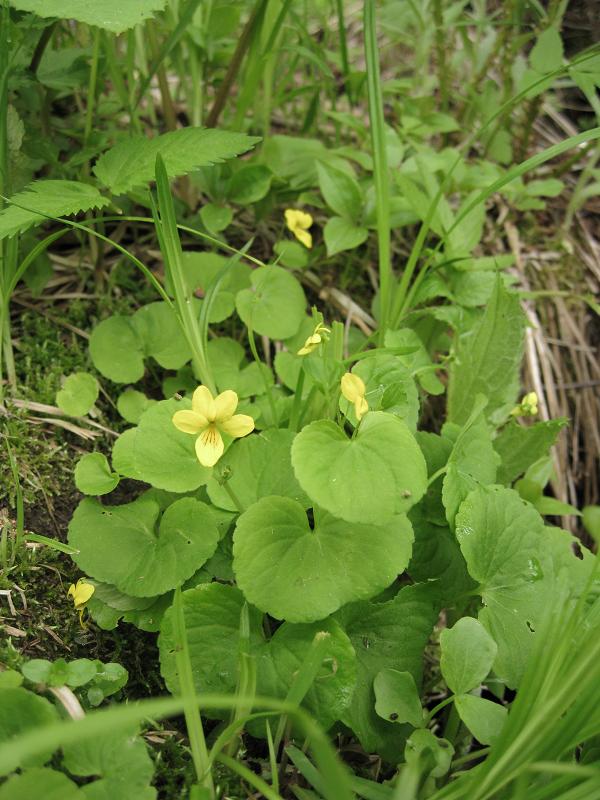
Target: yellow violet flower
point(353, 389)
point(528, 407)
point(319, 335)
point(81, 592)
point(208, 418)
point(299, 222)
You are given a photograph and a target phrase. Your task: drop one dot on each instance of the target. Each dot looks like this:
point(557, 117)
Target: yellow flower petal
point(225, 405)
point(237, 426)
point(360, 407)
point(353, 387)
point(203, 403)
point(310, 344)
point(189, 421)
point(209, 446)
point(81, 592)
point(304, 237)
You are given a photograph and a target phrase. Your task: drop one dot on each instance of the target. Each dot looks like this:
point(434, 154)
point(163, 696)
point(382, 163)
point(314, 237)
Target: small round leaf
point(117, 351)
point(93, 475)
point(78, 394)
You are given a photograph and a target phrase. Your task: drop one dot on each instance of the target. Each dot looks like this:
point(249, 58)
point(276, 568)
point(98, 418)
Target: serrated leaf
point(44, 199)
point(112, 15)
point(131, 163)
point(488, 360)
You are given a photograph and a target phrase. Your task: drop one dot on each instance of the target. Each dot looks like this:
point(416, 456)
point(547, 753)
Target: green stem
point(381, 178)
point(260, 365)
point(91, 95)
point(295, 412)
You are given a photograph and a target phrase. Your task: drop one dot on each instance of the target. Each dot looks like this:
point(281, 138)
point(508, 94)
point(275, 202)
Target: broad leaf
point(117, 350)
point(301, 575)
point(121, 545)
point(488, 359)
point(46, 199)
point(341, 192)
point(370, 478)
point(257, 466)
point(482, 717)
point(520, 446)
point(342, 234)
point(275, 304)
point(131, 404)
point(27, 785)
point(131, 163)
point(392, 634)
point(468, 653)
point(22, 711)
point(112, 15)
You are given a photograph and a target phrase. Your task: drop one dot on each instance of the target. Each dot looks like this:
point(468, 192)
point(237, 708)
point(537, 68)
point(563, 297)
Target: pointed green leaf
point(468, 653)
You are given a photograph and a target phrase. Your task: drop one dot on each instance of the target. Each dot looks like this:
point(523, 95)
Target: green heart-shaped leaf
point(120, 544)
point(117, 351)
point(275, 304)
point(370, 478)
point(302, 575)
point(93, 475)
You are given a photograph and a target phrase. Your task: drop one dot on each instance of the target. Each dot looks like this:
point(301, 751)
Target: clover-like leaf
point(468, 653)
point(94, 476)
point(275, 304)
point(78, 394)
point(301, 575)
point(120, 544)
point(370, 478)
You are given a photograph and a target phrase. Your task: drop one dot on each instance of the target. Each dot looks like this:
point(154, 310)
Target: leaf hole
point(310, 514)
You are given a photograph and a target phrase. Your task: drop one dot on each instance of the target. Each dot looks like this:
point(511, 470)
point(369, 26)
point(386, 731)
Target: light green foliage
point(258, 466)
point(27, 784)
point(46, 199)
point(116, 350)
point(519, 565)
point(520, 446)
point(468, 653)
point(425, 746)
point(160, 454)
point(249, 184)
point(275, 304)
point(78, 394)
point(386, 635)
point(102, 680)
point(131, 404)
point(22, 711)
point(94, 476)
point(111, 15)
point(482, 717)
point(130, 164)
point(212, 619)
point(487, 360)
point(153, 557)
point(342, 234)
point(379, 473)
point(327, 566)
point(397, 698)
